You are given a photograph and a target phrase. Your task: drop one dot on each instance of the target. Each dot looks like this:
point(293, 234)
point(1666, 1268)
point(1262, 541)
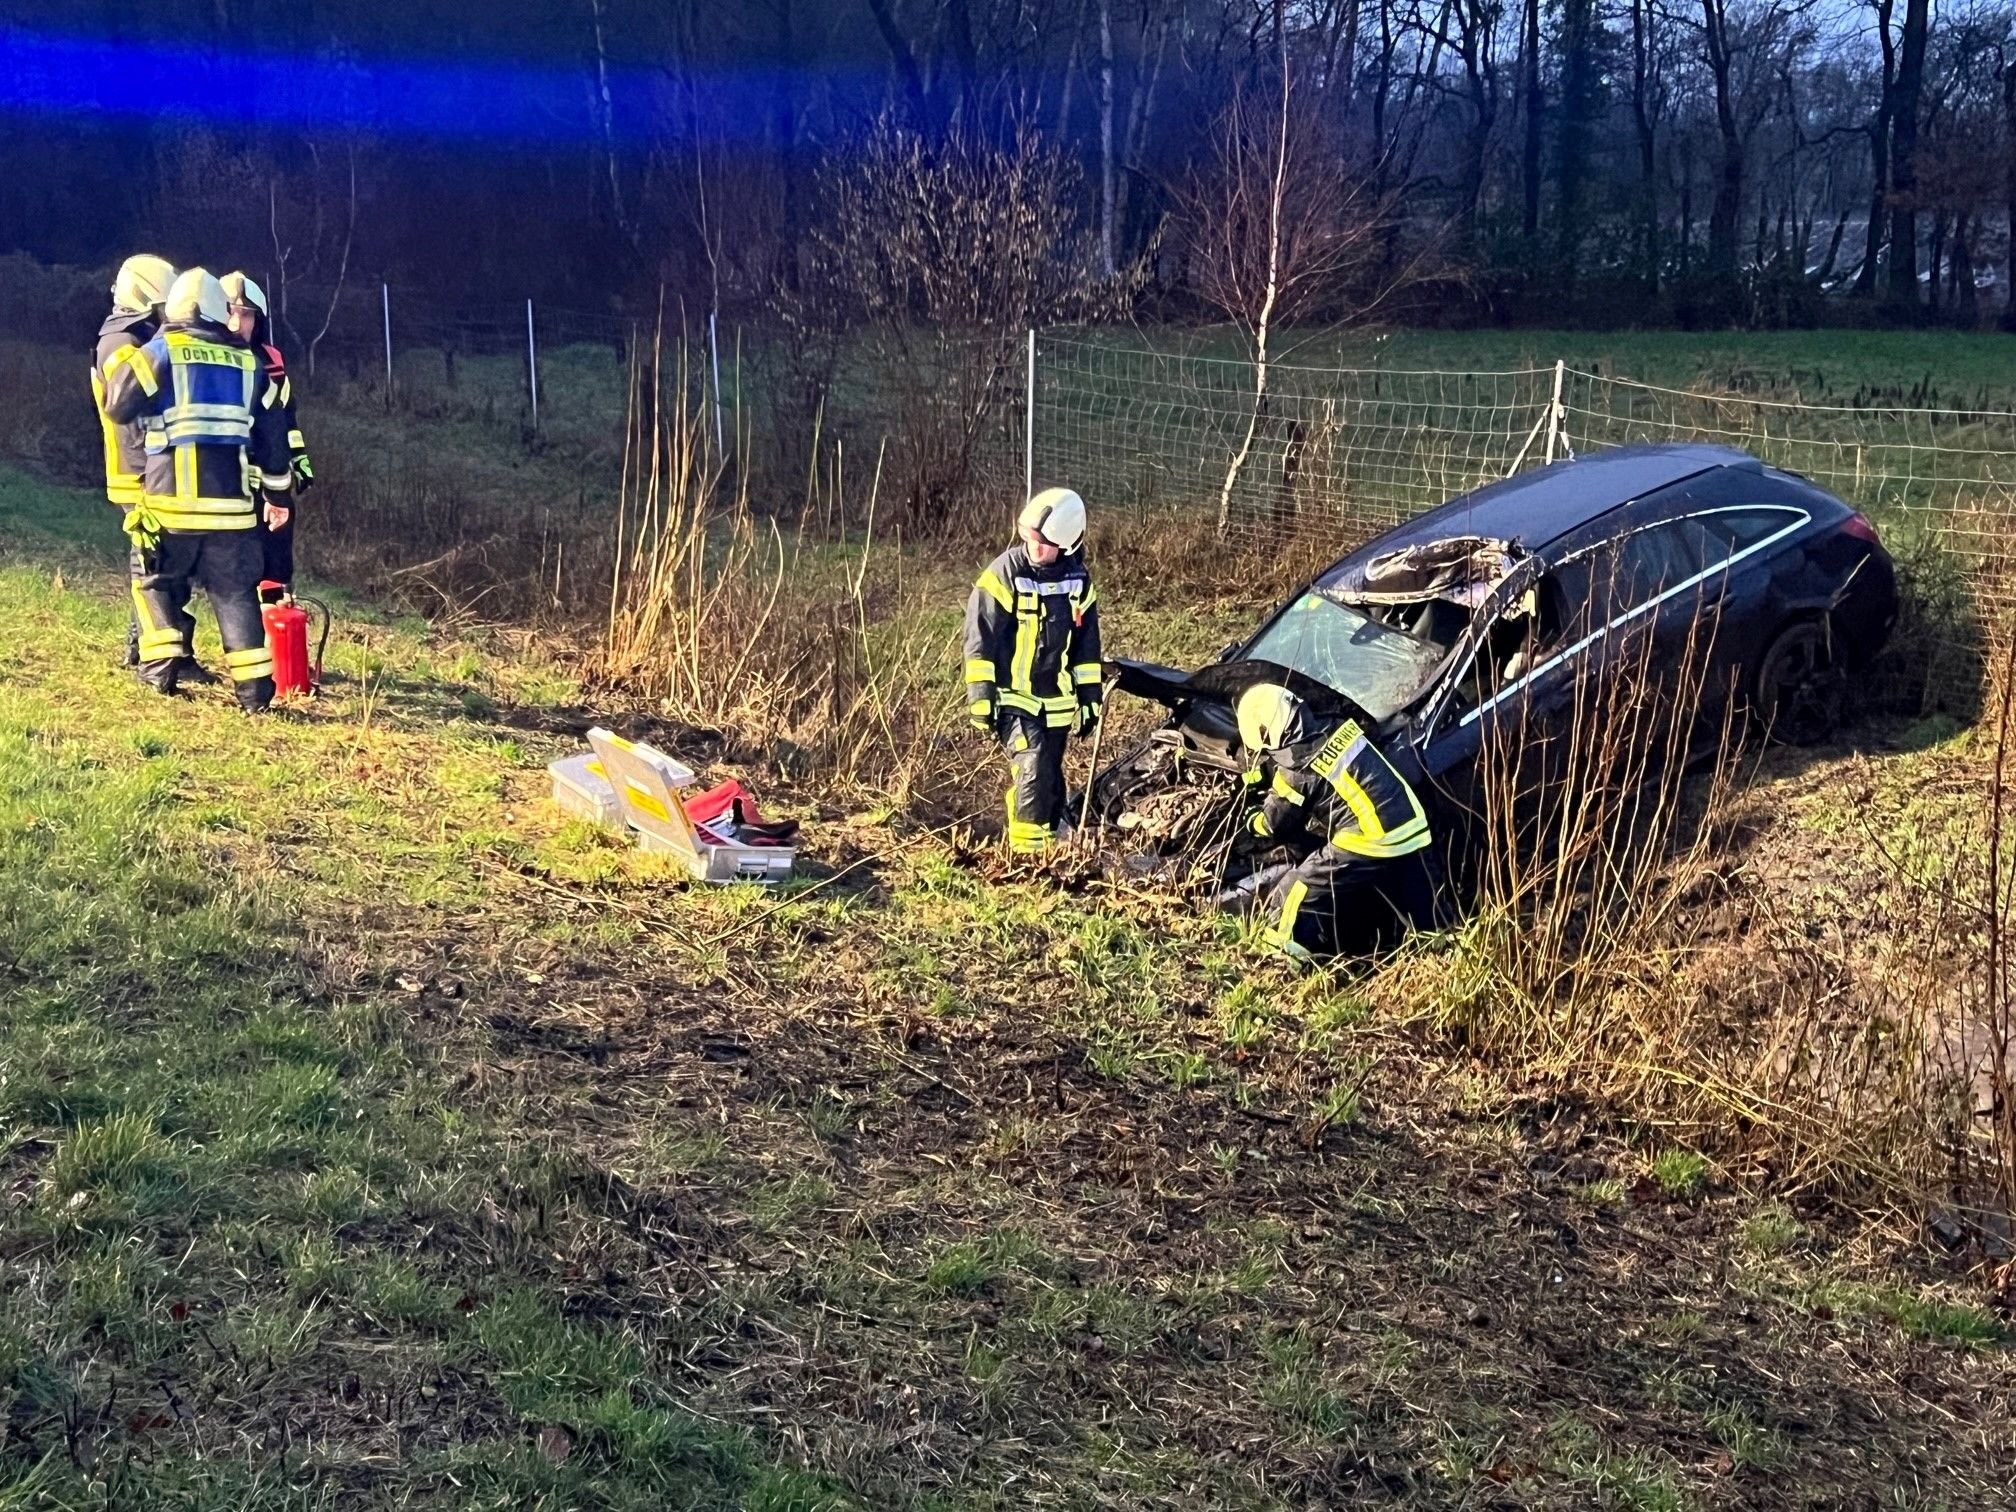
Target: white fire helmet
point(142, 282)
point(241, 291)
point(197, 295)
point(1057, 515)
point(1266, 713)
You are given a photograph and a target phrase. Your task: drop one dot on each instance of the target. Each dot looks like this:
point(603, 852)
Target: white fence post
point(1029, 424)
point(385, 298)
point(1555, 413)
point(714, 359)
point(532, 364)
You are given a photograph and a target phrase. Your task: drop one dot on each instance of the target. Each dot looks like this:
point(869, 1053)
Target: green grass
point(1679, 1172)
point(450, 1155)
point(220, 1154)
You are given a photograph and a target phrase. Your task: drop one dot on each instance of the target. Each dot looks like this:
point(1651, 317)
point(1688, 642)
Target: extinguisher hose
point(322, 640)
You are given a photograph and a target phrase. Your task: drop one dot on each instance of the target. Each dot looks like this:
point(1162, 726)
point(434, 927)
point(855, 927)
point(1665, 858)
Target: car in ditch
point(1517, 613)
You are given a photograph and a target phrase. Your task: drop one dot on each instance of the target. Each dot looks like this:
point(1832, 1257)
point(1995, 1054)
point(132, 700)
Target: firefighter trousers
point(1036, 789)
point(225, 564)
point(1337, 903)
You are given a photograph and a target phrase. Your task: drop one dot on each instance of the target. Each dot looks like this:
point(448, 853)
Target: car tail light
point(1859, 527)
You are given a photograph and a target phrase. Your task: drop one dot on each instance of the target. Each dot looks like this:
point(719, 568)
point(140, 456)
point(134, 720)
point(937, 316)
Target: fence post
point(714, 359)
point(385, 298)
point(1029, 424)
point(1554, 412)
point(532, 365)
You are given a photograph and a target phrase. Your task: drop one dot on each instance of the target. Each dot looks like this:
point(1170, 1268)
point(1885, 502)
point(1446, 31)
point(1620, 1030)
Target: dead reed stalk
point(810, 653)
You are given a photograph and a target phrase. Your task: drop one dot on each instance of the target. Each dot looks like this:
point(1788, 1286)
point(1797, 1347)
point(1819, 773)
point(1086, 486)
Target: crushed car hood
point(1462, 569)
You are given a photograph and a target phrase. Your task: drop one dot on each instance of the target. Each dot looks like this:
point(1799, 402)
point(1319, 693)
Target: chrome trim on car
point(1805, 519)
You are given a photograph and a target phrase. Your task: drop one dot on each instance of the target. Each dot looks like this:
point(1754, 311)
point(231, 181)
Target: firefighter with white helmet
point(138, 291)
point(251, 323)
point(1323, 783)
point(1032, 659)
point(218, 430)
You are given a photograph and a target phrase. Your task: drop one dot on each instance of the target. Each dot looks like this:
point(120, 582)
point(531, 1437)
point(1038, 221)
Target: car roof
point(1540, 506)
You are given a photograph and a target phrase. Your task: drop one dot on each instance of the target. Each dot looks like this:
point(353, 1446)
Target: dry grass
point(814, 650)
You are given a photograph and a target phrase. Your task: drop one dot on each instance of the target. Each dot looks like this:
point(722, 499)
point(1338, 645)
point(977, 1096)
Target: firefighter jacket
point(124, 332)
point(1032, 639)
point(280, 391)
point(1344, 789)
point(218, 433)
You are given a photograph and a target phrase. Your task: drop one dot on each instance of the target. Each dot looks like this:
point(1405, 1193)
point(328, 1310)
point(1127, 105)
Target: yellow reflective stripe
point(1360, 803)
point(979, 669)
point(1401, 842)
point(1251, 777)
point(295, 441)
point(162, 645)
point(1020, 702)
point(143, 368)
point(1022, 670)
point(1281, 933)
point(185, 472)
point(980, 706)
point(995, 589)
point(200, 513)
point(247, 666)
point(1285, 791)
point(1060, 721)
point(1085, 672)
point(1260, 827)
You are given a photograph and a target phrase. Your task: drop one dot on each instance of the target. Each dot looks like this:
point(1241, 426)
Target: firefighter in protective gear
point(251, 323)
point(1324, 784)
point(196, 520)
point(1032, 659)
point(138, 292)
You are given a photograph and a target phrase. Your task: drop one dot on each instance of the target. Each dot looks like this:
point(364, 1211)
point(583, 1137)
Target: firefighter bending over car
point(1032, 659)
point(1324, 787)
point(217, 431)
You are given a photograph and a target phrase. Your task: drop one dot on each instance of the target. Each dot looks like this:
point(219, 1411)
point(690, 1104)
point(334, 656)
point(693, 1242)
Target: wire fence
point(939, 423)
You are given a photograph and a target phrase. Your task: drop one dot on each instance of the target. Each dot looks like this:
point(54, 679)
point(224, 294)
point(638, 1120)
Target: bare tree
point(1277, 232)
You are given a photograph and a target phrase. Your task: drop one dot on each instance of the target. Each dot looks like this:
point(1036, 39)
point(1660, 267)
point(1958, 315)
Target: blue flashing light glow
point(492, 100)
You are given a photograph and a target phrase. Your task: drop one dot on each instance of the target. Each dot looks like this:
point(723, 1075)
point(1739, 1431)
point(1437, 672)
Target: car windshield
point(1376, 666)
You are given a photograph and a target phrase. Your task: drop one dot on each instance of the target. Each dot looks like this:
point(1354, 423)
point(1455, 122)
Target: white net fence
point(1338, 454)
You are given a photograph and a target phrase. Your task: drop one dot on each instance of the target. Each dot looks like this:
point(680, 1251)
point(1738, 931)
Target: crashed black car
point(1495, 610)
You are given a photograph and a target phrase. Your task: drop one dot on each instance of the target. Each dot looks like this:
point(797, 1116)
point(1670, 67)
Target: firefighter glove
point(142, 527)
point(304, 473)
point(1088, 718)
point(980, 714)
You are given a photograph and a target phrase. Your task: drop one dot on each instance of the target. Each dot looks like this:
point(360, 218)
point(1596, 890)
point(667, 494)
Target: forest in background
point(1697, 162)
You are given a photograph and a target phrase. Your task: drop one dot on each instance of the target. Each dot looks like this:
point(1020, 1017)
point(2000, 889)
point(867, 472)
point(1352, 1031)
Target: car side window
point(1658, 559)
point(1732, 530)
point(1518, 640)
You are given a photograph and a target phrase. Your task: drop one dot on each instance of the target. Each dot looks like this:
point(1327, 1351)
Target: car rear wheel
point(1800, 685)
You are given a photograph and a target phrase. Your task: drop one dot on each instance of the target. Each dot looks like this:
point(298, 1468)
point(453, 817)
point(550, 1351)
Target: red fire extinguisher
point(287, 636)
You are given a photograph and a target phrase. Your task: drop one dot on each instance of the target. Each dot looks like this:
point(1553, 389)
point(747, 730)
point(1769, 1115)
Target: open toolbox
point(623, 784)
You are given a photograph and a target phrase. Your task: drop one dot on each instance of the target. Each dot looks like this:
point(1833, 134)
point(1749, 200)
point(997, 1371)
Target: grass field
point(373, 1137)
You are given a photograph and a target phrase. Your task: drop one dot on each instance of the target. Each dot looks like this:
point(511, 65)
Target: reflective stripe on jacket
point(1351, 788)
point(123, 333)
point(1032, 638)
point(216, 435)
